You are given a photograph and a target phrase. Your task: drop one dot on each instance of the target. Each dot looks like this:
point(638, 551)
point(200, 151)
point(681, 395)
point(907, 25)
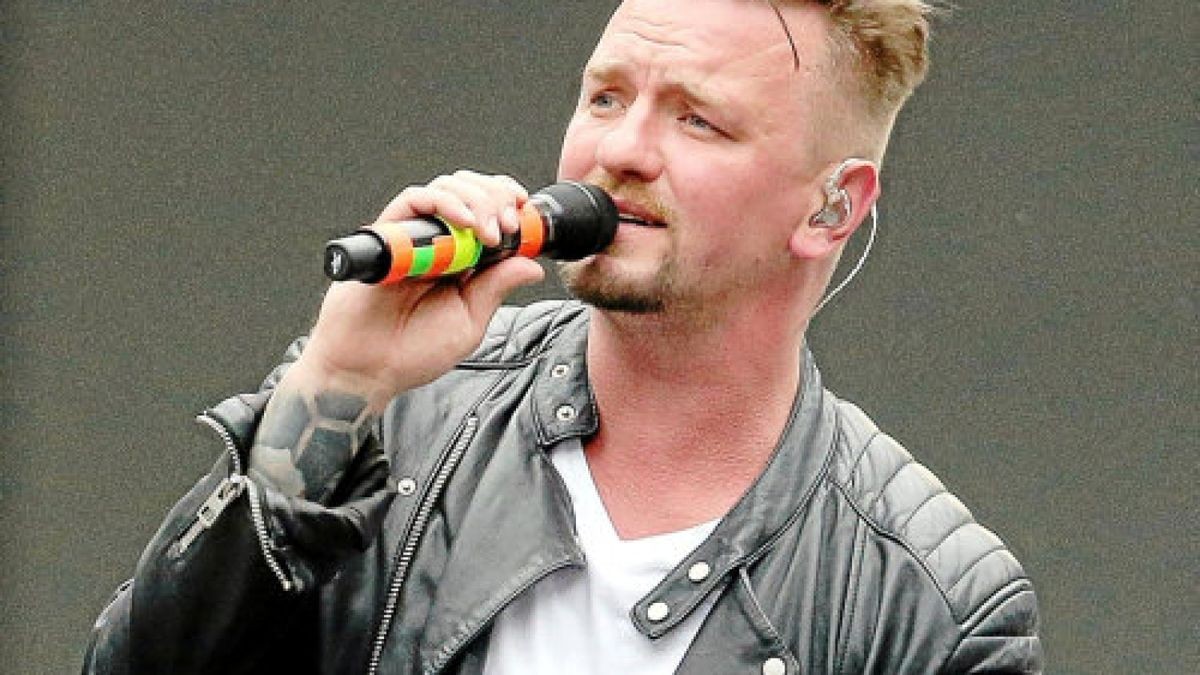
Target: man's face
point(694, 116)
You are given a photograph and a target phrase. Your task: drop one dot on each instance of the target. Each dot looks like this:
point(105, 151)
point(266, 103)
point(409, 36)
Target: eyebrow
point(608, 71)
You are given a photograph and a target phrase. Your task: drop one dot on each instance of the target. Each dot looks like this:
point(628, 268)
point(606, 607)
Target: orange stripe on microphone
point(443, 255)
point(400, 246)
point(533, 232)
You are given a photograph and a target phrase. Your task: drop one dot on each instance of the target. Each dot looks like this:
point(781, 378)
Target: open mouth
point(631, 219)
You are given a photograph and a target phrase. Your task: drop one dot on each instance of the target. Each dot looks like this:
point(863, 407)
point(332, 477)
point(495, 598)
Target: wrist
point(313, 373)
point(314, 425)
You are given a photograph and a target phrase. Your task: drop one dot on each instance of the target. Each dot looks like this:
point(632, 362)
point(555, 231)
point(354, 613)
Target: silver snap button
point(406, 486)
point(560, 370)
point(657, 611)
point(565, 413)
point(774, 666)
point(699, 572)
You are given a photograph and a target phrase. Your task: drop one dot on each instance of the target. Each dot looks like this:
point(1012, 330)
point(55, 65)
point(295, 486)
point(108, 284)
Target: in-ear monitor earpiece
point(838, 206)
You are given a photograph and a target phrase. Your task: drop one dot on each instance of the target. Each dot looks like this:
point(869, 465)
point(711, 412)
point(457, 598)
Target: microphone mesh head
point(583, 219)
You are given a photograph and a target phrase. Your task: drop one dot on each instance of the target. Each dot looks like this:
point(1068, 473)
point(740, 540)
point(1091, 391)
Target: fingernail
point(493, 230)
point(511, 222)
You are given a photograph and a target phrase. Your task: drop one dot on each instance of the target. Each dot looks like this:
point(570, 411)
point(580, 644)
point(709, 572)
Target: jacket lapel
point(737, 638)
point(519, 525)
point(753, 526)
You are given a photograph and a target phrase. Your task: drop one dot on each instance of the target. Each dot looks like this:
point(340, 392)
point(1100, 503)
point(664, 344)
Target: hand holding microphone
point(565, 221)
point(375, 339)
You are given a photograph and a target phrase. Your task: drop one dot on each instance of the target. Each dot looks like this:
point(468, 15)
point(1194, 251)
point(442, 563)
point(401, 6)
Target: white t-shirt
point(577, 621)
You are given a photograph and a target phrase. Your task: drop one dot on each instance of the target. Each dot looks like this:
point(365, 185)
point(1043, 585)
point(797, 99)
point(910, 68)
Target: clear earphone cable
point(857, 266)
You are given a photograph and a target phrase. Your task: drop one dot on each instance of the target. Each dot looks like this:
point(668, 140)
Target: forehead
point(739, 40)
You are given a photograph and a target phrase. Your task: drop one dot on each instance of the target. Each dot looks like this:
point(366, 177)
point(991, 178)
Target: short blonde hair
point(886, 44)
point(883, 43)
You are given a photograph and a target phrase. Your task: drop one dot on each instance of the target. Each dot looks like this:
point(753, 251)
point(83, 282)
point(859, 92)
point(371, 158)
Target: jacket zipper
point(229, 489)
point(224, 495)
point(409, 546)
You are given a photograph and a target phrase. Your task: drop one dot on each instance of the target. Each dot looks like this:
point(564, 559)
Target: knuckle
point(466, 174)
point(441, 181)
point(406, 197)
point(510, 181)
point(418, 192)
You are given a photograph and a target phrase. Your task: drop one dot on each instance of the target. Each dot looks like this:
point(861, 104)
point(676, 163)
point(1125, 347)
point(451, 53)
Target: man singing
point(648, 480)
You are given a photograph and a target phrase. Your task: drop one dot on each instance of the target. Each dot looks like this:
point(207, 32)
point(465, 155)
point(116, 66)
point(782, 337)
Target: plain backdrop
point(1027, 325)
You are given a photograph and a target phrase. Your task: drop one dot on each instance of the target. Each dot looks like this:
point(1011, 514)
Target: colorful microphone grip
point(566, 221)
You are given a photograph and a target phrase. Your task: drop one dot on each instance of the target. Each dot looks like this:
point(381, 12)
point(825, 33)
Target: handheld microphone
point(565, 221)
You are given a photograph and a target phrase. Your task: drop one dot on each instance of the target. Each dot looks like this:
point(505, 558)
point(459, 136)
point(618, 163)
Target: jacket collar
point(564, 407)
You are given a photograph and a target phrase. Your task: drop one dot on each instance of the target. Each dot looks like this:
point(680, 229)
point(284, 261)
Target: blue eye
point(697, 122)
point(603, 100)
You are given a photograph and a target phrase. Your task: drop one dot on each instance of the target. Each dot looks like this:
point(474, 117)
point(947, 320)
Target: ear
point(860, 180)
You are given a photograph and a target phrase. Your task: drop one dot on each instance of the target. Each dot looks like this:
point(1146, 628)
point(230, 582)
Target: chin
point(608, 290)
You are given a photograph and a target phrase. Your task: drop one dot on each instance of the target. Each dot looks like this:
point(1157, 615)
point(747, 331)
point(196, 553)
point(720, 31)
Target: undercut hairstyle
point(884, 44)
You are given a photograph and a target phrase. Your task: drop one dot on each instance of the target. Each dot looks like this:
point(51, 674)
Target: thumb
point(483, 292)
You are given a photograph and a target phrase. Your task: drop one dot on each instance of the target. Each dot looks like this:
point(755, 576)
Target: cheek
point(578, 153)
point(730, 197)
point(747, 212)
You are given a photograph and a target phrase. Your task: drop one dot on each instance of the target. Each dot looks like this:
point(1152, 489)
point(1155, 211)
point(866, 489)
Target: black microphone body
point(564, 221)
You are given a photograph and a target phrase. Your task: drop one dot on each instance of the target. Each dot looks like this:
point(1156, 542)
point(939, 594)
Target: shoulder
point(517, 335)
point(903, 501)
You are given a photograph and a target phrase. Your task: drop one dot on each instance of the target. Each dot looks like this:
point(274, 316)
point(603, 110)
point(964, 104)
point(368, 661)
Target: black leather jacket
point(846, 556)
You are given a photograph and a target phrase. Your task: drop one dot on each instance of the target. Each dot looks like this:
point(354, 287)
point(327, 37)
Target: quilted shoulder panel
point(902, 498)
point(518, 334)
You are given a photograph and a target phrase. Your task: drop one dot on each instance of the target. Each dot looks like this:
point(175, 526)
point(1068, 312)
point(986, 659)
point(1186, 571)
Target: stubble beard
point(606, 291)
point(593, 282)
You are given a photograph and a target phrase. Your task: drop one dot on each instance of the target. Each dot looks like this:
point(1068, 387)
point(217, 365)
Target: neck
point(658, 351)
point(727, 373)
point(689, 412)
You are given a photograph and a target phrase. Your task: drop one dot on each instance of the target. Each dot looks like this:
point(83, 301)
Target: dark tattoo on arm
point(306, 440)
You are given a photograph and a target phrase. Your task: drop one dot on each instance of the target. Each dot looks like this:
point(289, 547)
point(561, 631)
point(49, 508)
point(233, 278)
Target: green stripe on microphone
point(422, 261)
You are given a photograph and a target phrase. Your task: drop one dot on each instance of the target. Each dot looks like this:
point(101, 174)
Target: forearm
point(230, 569)
point(312, 429)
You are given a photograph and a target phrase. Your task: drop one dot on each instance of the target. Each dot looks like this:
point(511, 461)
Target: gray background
point(1027, 325)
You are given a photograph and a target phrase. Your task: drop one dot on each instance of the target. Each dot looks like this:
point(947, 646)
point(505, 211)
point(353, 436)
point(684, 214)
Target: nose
point(629, 149)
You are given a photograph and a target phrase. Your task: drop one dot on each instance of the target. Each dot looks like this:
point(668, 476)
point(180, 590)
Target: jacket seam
point(380, 631)
point(822, 475)
point(535, 351)
point(767, 544)
point(972, 566)
point(899, 540)
point(946, 537)
point(883, 488)
point(866, 446)
point(744, 577)
point(856, 584)
point(497, 365)
point(1003, 595)
point(900, 527)
point(772, 631)
point(450, 649)
point(965, 633)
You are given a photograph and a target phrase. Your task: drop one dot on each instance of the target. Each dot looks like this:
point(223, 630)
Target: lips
point(637, 215)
